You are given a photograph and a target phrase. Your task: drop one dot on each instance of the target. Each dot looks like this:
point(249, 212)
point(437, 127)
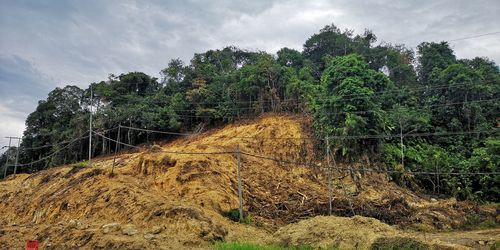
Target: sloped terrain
point(165, 198)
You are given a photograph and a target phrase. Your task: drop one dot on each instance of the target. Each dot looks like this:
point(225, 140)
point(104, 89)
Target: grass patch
point(420, 227)
point(474, 221)
point(251, 246)
point(399, 243)
point(495, 245)
point(234, 215)
point(82, 164)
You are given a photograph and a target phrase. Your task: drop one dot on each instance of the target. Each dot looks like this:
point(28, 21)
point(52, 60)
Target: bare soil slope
point(157, 199)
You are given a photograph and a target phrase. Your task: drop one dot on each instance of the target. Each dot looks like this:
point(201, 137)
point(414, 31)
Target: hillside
point(156, 199)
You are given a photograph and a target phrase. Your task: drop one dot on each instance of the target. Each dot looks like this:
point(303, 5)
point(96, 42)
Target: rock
point(156, 230)
point(81, 225)
point(129, 230)
point(481, 242)
point(149, 236)
point(112, 227)
point(72, 224)
point(433, 200)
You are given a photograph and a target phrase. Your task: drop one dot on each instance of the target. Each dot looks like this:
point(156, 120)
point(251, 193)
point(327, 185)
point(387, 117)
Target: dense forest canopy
point(411, 111)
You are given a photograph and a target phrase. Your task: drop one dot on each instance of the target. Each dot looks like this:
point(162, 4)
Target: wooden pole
point(116, 148)
point(330, 186)
point(240, 195)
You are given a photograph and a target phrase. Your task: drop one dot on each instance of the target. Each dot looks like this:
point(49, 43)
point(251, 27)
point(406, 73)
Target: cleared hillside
point(159, 199)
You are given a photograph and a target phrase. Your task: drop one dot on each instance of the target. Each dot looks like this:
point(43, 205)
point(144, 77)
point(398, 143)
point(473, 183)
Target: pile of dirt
point(186, 195)
point(328, 232)
point(357, 232)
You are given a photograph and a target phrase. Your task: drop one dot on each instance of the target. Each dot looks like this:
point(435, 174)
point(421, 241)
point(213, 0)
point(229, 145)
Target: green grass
point(251, 246)
point(474, 221)
point(82, 164)
point(234, 215)
point(495, 246)
point(398, 243)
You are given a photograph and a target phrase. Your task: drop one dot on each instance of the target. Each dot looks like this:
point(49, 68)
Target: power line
point(334, 113)
point(382, 136)
point(354, 96)
point(423, 107)
point(364, 169)
point(156, 131)
point(59, 143)
point(55, 152)
point(475, 36)
point(302, 163)
point(166, 151)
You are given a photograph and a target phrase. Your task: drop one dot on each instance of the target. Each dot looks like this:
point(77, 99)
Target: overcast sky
point(44, 44)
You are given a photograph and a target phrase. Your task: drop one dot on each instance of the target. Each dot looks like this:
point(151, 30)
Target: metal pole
point(17, 154)
point(116, 148)
point(239, 181)
point(329, 176)
point(7, 161)
point(90, 127)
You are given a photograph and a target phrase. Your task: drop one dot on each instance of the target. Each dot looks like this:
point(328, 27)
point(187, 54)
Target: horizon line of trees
point(350, 85)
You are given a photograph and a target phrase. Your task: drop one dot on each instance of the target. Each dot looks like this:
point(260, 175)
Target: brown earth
point(163, 200)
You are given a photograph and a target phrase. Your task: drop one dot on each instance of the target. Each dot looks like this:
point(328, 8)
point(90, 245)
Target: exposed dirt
point(176, 201)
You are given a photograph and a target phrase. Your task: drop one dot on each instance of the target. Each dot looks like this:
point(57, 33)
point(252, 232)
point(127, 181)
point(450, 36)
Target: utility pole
point(238, 154)
point(329, 176)
point(7, 161)
point(90, 127)
point(17, 154)
point(8, 154)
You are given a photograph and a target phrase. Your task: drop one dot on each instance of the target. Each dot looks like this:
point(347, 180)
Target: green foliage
point(349, 89)
point(234, 215)
point(433, 57)
point(475, 221)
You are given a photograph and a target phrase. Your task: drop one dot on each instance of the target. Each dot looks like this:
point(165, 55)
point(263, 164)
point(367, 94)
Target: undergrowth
point(399, 244)
point(234, 215)
point(82, 164)
point(475, 221)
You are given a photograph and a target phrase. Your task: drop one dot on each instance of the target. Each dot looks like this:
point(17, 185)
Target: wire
point(236, 137)
point(412, 135)
point(424, 107)
point(475, 36)
point(320, 100)
point(156, 131)
point(365, 169)
point(59, 143)
point(166, 151)
point(50, 155)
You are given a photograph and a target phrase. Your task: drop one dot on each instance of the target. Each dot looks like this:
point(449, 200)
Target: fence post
point(116, 148)
point(342, 184)
point(238, 154)
point(329, 176)
point(17, 155)
point(7, 160)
